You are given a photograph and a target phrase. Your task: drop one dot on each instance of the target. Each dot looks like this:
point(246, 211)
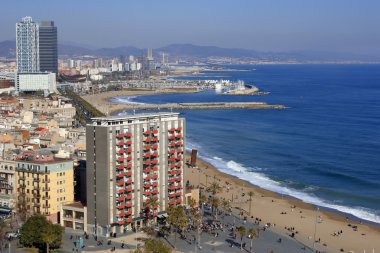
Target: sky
point(350, 26)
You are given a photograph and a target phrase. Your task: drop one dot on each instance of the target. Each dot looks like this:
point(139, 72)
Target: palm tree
point(242, 231)
point(214, 206)
point(225, 205)
point(177, 218)
point(150, 203)
point(214, 188)
point(252, 233)
point(192, 203)
point(250, 194)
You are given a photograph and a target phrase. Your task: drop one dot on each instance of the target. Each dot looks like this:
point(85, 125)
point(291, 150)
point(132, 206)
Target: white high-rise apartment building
point(27, 46)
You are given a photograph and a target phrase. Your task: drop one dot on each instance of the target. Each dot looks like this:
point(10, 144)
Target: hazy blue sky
point(266, 25)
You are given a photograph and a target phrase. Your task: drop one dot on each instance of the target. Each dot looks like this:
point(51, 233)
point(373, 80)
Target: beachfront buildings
point(134, 169)
point(44, 183)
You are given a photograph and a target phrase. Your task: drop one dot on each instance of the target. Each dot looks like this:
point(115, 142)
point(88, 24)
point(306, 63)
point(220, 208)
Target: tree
point(52, 235)
point(242, 231)
point(214, 188)
point(39, 232)
point(214, 206)
point(177, 218)
point(149, 205)
point(252, 233)
point(4, 227)
point(156, 246)
point(250, 194)
point(225, 205)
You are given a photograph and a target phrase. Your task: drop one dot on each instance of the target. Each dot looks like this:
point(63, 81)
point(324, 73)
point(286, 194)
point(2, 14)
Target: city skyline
point(341, 26)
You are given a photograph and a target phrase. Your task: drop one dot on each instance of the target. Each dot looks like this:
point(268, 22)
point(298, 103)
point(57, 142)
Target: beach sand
point(268, 206)
point(102, 101)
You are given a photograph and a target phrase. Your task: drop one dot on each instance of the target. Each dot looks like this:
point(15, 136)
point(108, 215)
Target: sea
point(324, 149)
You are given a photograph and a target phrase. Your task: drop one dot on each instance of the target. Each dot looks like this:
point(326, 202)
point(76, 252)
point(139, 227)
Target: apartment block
point(43, 183)
point(134, 170)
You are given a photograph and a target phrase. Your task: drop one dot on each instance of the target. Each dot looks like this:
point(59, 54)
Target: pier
point(201, 106)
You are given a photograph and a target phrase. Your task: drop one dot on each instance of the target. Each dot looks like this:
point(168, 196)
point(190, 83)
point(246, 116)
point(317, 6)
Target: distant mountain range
point(190, 51)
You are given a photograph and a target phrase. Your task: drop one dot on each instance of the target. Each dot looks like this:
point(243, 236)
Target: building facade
point(134, 169)
point(27, 46)
point(7, 186)
point(43, 184)
point(38, 81)
point(48, 49)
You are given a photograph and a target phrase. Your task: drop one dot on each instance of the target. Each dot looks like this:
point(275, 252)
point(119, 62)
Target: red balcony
point(129, 189)
point(120, 136)
point(172, 166)
point(129, 150)
point(147, 147)
point(121, 151)
point(155, 169)
point(129, 158)
point(179, 186)
point(179, 201)
point(129, 220)
point(121, 207)
point(121, 199)
point(179, 165)
point(147, 185)
point(155, 147)
point(172, 202)
point(148, 163)
point(128, 134)
point(179, 158)
point(147, 140)
point(172, 180)
point(155, 139)
point(172, 137)
point(179, 179)
point(129, 204)
point(147, 178)
point(172, 173)
point(179, 172)
point(120, 159)
point(129, 197)
point(179, 129)
point(129, 181)
point(172, 187)
point(155, 214)
point(147, 193)
point(155, 184)
point(122, 222)
point(179, 136)
point(172, 130)
point(147, 155)
point(179, 151)
point(178, 194)
point(147, 132)
point(120, 144)
point(128, 174)
point(147, 170)
point(120, 167)
point(121, 183)
point(155, 131)
point(129, 213)
point(155, 162)
point(179, 143)
point(121, 175)
point(128, 143)
point(172, 144)
point(121, 214)
point(128, 166)
point(155, 192)
point(172, 159)
point(155, 176)
point(121, 191)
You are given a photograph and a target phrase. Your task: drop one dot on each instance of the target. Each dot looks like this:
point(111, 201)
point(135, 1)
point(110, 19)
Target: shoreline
point(268, 206)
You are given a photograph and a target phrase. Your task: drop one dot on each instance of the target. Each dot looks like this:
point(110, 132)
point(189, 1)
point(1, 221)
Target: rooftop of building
point(129, 118)
point(39, 156)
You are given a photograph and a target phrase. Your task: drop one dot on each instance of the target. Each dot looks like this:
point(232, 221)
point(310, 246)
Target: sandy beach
point(286, 212)
point(102, 101)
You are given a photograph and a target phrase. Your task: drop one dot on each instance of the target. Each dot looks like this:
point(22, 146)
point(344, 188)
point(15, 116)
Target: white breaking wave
point(236, 169)
point(126, 100)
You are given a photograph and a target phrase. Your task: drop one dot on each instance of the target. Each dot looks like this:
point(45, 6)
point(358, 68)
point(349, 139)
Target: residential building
point(27, 47)
point(134, 169)
point(43, 183)
point(74, 216)
point(7, 186)
point(48, 49)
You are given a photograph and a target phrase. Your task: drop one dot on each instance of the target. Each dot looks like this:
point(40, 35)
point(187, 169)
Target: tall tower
point(134, 169)
point(27, 48)
point(48, 47)
point(150, 54)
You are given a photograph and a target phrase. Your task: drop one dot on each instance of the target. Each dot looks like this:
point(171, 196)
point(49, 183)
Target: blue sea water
point(324, 149)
